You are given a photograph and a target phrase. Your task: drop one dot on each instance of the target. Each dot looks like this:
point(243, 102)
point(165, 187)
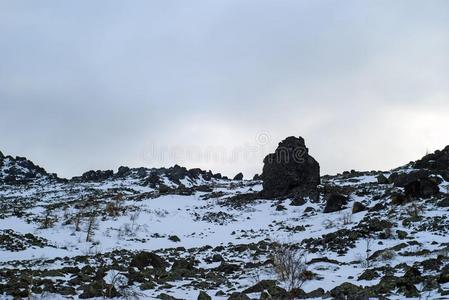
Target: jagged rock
point(145, 259)
point(358, 207)
point(335, 202)
point(1, 156)
point(257, 177)
point(164, 296)
point(239, 177)
point(290, 171)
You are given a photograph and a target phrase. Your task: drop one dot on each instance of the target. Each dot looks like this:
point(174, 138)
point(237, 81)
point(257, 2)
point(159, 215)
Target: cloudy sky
point(217, 84)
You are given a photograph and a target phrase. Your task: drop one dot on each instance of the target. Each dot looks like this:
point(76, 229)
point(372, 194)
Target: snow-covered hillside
point(190, 234)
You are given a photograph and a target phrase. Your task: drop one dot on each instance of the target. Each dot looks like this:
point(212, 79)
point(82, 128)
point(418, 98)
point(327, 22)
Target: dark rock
point(123, 172)
point(204, 296)
point(145, 259)
point(298, 201)
point(290, 170)
point(239, 177)
point(444, 202)
point(95, 176)
point(349, 291)
point(437, 161)
point(413, 275)
point(238, 296)
point(444, 275)
point(422, 188)
point(269, 286)
point(280, 207)
point(358, 207)
point(257, 177)
point(164, 296)
point(227, 268)
point(369, 274)
point(381, 179)
point(335, 202)
point(174, 238)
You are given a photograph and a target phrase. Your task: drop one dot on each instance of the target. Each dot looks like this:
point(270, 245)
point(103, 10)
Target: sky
point(217, 84)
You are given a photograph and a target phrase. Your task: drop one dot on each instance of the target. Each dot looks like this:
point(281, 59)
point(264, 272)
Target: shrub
point(290, 266)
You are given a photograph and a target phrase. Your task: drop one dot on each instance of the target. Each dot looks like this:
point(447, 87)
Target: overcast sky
point(217, 84)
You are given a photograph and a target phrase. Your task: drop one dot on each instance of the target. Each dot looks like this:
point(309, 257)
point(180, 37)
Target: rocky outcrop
point(290, 171)
point(238, 177)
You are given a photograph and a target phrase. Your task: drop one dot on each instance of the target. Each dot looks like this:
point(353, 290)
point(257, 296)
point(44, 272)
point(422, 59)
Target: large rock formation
point(290, 171)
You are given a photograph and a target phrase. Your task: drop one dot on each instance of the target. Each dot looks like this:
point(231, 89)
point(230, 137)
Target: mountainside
point(190, 234)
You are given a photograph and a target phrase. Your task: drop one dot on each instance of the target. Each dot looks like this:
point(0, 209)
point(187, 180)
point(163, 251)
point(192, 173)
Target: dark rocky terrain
point(174, 233)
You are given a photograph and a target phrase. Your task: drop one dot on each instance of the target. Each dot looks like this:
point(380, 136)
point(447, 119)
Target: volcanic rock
point(291, 171)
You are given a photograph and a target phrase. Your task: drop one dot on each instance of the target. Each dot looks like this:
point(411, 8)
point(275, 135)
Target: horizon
point(217, 85)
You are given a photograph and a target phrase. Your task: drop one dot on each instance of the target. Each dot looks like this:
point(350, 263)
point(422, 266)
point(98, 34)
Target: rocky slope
point(190, 234)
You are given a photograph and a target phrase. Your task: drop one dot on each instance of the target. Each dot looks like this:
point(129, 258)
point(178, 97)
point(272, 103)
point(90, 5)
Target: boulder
point(123, 172)
point(239, 177)
point(290, 171)
point(358, 207)
point(335, 202)
point(349, 291)
point(238, 296)
point(204, 296)
point(381, 179)
point(145, 259)
point(257, 177)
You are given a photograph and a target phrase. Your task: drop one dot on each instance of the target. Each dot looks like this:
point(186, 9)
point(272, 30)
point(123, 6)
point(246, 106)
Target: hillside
point(190, 234)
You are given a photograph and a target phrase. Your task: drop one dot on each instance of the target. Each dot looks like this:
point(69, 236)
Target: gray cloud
point(87, 85)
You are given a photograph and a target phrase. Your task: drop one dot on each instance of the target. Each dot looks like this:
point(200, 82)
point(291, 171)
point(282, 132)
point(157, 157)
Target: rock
point(95, 176)
point(444, 202)
point(145, 259)
point(1, 156)
point(381, 179)
point(422, 188)
point(227, 268)
point(437, 161)
point(204, 296)
point(164, 296)
point(413, 275)
point(444, 275)
point(402, 235)
point(298, 201)
point(123, 172)
point(280, 207)
point(257, 177)
point(174, 238)
point(290, 171)
point(358, 207)
point(270, 286)
point(238, 177)
point(238, 296)
point(349, 291)
point(369, 274)
point(335, 202)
